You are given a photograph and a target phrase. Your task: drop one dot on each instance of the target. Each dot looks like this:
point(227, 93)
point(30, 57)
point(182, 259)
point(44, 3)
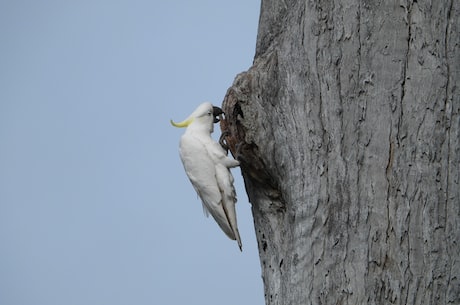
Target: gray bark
point(348, 130)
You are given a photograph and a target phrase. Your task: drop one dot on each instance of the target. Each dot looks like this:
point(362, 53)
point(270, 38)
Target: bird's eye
point(209, 112)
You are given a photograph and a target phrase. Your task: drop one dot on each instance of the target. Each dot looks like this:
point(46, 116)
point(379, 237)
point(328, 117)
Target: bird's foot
point(223, 141)
point(238, 152)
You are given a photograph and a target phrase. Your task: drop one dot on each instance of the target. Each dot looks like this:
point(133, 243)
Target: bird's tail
point(229, 201)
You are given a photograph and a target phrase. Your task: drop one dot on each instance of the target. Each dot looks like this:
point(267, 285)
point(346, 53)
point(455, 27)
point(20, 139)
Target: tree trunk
point(348, 130)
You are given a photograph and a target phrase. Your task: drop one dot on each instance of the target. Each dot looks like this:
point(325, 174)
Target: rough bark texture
point(348, 129)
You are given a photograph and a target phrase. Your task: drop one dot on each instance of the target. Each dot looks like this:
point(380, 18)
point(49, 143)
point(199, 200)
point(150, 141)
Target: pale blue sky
point(95, 207)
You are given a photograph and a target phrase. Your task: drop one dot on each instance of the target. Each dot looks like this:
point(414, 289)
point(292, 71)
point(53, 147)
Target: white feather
point(207, 166)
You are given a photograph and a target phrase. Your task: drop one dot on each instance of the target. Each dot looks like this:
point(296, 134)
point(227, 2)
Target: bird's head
point(202, 118)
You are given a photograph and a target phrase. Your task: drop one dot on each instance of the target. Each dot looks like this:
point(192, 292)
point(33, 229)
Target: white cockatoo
point(208, 167)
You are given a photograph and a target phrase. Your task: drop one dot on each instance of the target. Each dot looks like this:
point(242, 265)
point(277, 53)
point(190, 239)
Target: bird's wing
point(201, 171)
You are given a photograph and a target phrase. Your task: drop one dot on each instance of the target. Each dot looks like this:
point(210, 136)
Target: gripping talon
point(238, 154)
point(223, 142)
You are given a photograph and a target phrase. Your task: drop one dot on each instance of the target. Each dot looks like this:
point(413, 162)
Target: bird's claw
point(238, 155)
point(223, 141)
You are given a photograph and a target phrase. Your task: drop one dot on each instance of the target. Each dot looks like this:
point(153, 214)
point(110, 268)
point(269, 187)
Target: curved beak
point(183, 123)
point(217, 112)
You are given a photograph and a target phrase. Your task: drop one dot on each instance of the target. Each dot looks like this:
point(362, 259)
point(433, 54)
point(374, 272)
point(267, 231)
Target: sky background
point(95, 207)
